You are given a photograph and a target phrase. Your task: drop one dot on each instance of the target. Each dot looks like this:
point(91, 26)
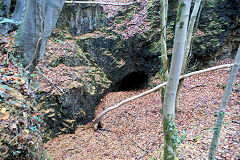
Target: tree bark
point(16, 17)
point(223, 106)
point(187, 47)
point(4, 13)
point(18, 11)
point(164, 9)
point(38, 22)
point(169, 127)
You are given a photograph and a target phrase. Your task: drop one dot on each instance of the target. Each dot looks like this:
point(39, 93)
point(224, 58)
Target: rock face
point(82, 18)
point(217, 34)
point(112, 64)
point(103, 61)
point(120, 58)
point(219, 31)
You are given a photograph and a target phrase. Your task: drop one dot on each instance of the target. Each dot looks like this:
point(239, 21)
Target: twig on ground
point(139, 146)
point(202, 85)
point(154, 89)
point(144, 153)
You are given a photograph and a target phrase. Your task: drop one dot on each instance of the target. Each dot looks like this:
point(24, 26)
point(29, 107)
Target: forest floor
point(134, 131)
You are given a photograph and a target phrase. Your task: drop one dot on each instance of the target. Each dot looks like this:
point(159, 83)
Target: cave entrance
point(133, 81)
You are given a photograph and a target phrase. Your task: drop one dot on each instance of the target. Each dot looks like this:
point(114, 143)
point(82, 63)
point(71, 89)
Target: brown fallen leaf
point(5, 116)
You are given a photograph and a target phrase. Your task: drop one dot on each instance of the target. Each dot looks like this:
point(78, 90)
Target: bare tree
point(38, 23)
point(11, 23)
point(223, 106)
point(164, 11)
point(169, 127)
point(187, 46)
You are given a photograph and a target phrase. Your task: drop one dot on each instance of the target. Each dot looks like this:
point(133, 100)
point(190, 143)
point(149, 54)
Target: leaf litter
point(134, 131)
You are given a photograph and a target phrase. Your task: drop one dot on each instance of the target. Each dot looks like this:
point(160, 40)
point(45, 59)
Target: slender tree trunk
point(38, 22)
point(164, 10)
point(16, 17)
point(223, 106)
point(169, 127)
point(187, 47)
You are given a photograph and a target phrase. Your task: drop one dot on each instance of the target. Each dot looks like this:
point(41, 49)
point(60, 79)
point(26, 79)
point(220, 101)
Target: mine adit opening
point(133, 81)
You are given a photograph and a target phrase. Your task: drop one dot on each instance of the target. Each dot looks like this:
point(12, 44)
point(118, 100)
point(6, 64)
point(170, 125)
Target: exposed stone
point(82, 18)
point(112, 63)
point(219, 24)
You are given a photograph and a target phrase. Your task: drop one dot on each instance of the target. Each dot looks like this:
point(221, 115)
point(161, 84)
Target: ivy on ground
point(20, 122)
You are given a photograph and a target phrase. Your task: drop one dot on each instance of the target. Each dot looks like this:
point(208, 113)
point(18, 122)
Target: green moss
point(179, 11)
point(181, 24)
point(155, 47)
point(170, 137)
point(87, 36)
point(119, 20)
point(129, 15)
point(122, 28)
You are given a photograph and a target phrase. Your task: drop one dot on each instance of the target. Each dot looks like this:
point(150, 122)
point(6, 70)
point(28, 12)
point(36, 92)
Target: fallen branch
point(101, 3)
point(155, 89)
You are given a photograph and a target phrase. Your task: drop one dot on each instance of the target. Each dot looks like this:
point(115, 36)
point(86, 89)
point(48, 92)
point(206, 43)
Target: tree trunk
point(16, 17)
point(187, 47)
point(18, 11)
point(4, 13)
point(223, 106)
point(169, 127)
point(38, 22)
point(164, 9)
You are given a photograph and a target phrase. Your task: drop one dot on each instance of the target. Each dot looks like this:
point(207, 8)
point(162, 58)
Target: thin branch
point(155, 89)
point(101, 3)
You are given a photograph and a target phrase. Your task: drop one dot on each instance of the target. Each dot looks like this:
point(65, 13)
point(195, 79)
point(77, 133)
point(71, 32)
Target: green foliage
point(153, 13)
point(209, 3)
point(119, 20)
point(221, 86)
point(152, 158)
point(21, 123)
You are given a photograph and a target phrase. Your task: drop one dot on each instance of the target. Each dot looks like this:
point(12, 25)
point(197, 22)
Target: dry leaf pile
point(134, 131)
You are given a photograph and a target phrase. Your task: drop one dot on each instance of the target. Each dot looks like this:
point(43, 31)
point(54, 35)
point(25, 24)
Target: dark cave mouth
point(133, 81)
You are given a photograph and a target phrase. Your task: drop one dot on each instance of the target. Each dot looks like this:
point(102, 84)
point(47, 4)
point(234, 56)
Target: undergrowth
point(21, 123)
